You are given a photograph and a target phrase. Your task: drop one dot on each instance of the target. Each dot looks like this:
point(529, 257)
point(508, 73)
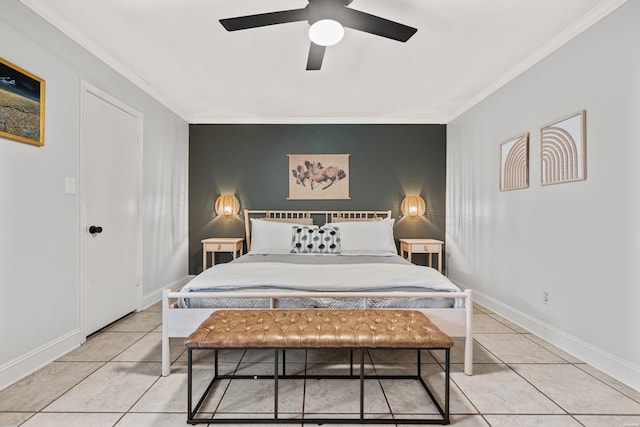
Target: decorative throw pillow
point(315, 240)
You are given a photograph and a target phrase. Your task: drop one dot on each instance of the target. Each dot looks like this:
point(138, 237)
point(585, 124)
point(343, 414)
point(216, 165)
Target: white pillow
point(345, 219)
point(368, 238)
point(305, 221)
point(271, 237)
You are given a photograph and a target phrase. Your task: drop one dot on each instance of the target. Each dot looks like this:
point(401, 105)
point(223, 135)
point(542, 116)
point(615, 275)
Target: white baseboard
point(610, 364)
point(30, 362)
point(155, 296)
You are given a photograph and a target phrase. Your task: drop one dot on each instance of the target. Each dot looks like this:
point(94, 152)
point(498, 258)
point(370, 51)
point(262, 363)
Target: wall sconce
point(227, 205)
point(413, 206)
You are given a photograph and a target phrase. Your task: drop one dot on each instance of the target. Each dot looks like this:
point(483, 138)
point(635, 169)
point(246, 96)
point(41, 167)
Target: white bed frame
point(180, 322)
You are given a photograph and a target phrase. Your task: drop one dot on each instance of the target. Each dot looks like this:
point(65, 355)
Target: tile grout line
point(567, 362)
point(384, 393)
point(460, 388)
point(603, 382)
point(102, 365)
point(531, 384)
point(518, 374)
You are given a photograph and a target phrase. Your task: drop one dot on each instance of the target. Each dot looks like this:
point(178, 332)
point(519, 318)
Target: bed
point(316, 259)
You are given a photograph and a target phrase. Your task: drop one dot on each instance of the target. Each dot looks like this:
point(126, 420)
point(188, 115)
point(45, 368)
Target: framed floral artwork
point(318, 176)
point(21, 104)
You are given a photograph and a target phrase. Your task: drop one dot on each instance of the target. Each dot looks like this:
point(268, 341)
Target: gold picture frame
point(563, 150)
point(514, 163)
point(21, 104)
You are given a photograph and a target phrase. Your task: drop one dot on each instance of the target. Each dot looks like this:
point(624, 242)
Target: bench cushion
point(318, 328)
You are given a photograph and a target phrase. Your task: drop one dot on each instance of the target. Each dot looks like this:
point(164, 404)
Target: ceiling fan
point(326, 18)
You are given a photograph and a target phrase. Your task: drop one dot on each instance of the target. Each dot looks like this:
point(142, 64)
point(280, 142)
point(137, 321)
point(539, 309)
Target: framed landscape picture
point(21, 104)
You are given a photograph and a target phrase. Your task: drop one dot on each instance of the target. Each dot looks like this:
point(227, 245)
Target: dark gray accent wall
point(386, 163)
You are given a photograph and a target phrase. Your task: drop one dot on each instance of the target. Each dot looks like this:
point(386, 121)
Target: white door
point(109, 197)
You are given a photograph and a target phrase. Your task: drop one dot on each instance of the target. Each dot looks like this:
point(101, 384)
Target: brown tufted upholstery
point(317, 328)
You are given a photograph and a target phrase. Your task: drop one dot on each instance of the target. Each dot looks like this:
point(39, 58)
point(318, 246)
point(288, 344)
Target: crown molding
point(317, 120)
point(63, 25)
point(569, 33)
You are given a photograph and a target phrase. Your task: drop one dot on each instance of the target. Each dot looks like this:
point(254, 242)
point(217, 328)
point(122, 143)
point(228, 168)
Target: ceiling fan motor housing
point(326, 9)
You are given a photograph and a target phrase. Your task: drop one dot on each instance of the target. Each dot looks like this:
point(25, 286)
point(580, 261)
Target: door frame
point(87, 88)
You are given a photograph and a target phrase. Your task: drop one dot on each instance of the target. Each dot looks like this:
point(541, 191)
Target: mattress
point(298, 273)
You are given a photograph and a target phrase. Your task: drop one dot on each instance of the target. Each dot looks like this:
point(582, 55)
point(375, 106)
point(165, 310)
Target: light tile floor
point(520, 380)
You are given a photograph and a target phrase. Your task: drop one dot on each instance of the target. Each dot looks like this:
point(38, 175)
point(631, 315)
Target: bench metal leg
point(447, 374)
point(193, 411)
point(361, 384)
point(284, 362)
point(275, 386)
point(189, 385)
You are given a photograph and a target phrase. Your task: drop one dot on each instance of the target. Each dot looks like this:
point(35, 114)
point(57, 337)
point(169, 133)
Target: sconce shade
point(227, 205)
point(413, 206)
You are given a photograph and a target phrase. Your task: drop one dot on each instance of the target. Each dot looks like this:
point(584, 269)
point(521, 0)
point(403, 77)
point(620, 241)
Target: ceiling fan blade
point(375, 25)
point(264, 19)
point(316, 54)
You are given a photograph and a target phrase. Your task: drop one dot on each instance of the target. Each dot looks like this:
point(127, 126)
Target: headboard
point(318, 217)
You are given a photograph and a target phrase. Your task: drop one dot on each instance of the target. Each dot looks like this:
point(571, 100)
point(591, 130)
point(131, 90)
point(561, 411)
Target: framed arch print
point(514, 163)
point(563, 145)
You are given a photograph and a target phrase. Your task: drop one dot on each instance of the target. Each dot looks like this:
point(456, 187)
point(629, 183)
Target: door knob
point(95, 229)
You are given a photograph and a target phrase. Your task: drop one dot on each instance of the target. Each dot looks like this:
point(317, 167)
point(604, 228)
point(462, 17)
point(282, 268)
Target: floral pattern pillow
point(315, 240)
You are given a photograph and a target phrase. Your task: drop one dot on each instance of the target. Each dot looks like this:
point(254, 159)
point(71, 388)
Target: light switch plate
point(70, 185)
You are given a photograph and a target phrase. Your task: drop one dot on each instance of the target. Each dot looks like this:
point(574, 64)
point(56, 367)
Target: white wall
point(39, 223)
point(578, 241)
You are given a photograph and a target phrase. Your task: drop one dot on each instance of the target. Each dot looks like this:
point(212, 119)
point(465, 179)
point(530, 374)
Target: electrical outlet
point(545, 297)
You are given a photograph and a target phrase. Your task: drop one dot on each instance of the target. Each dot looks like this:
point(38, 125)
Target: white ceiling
point(177, 51)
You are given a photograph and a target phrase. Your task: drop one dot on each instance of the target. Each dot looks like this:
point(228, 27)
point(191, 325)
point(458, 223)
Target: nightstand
point(220, 244)
point(430, 247)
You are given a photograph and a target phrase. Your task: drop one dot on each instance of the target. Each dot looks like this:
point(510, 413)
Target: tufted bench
point(353, 329)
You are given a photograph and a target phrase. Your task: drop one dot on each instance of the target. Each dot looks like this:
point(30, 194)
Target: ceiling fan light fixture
point(326, 32)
